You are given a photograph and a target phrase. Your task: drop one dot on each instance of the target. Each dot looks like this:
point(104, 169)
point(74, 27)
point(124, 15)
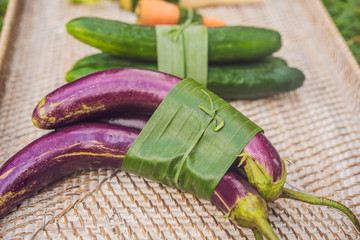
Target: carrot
point(204, 3)
point(212, 22)
point(153, 12)
point(157, 12)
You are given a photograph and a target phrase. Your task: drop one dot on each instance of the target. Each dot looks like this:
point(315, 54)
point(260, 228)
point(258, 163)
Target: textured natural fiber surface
point(318, 125)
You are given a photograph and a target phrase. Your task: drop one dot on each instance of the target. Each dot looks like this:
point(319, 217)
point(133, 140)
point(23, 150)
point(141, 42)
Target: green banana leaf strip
point(170, 49)
point(190, 141)
point(196, 53)
point(183, 50)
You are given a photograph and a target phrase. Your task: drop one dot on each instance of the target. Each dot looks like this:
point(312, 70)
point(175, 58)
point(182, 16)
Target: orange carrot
point(153, 12)
point(212, 22)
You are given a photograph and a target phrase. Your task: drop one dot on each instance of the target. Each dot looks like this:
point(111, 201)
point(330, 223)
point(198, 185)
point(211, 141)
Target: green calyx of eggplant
point(258, 177)
point(270, 190)
point(251, 212)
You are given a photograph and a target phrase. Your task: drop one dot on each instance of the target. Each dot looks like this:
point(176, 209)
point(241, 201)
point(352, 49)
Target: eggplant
point(132, 90)
point(261, 165)
point(101, 145)
point(243, 204)
point(61, 152)
point(103, 94)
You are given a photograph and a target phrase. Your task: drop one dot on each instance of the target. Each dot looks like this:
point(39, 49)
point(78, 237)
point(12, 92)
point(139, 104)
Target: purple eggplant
point(261, 164)
point(242, 203)
point(263, 167)
point(132, 90)
point(101, 145)
point(83, 146)
point(104, 94)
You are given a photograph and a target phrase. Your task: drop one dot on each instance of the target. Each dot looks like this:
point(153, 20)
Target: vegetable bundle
point(240, 62)
point(94, 145)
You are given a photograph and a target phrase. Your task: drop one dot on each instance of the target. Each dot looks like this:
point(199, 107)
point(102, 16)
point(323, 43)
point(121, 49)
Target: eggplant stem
point(307, 198)
point(263, 226)
point(257, 234)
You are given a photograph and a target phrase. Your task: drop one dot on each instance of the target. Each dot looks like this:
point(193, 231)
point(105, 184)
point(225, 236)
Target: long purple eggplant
point(263, 167)
point(101, 145)
point(242, 203)
point(131, 90)
point(103, 94)
point(265, 170)
point(83, 146)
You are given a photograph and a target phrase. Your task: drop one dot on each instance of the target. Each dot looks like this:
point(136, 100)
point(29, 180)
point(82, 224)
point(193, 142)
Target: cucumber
point(236, 81)
point(103, 61)
point(112, 60)
point(130, 41)
point(109, 60)
point(254, 82)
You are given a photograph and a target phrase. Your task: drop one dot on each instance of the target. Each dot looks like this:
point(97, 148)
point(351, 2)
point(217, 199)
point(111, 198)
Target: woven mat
point(318, 125)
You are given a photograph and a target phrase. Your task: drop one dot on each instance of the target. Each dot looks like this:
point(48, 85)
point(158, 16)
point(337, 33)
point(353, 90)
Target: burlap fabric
point(318, 125)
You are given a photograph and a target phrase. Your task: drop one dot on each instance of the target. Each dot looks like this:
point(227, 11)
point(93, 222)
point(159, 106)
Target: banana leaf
point(183, 51)
point(190, 141)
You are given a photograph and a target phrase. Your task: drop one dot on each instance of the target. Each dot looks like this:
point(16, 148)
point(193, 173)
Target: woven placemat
point(318, 125)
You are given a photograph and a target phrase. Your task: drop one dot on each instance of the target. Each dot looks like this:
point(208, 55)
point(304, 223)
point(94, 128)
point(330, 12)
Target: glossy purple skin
point(126, 90)
point(261, 149)
point(129, 120)
point(52, 156)
point(231, 188)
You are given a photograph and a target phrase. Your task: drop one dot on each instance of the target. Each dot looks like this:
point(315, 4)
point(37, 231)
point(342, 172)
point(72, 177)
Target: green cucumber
point(236, 81)
point(130, 41)
point(105, 59)
point(252, 83)
point(112, 60)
